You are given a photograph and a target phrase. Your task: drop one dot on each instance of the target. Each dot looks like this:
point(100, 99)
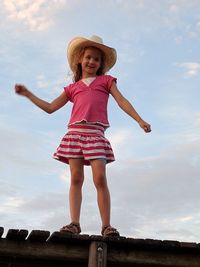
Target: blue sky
point(154, 182)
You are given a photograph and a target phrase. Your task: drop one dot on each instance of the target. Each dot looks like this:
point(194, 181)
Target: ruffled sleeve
point(69, 91)
point(109, 81)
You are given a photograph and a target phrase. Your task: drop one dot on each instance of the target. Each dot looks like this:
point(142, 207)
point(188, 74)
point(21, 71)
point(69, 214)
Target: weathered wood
point(16, 234)
point(97, 254)
point(38, 235)
point(21, 262)
point(58, 237)
point(128, 256)
point(170, 244)
point(11, 233)
point(40, 249)
point(1, 231)
point(44, 250)
point(191, 245)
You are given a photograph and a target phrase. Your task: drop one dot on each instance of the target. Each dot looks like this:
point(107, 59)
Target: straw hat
point(78, 43)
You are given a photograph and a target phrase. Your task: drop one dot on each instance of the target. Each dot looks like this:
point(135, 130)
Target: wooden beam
point(153, 258)
point(97, 254)
point(95, 251)
point(46, 251)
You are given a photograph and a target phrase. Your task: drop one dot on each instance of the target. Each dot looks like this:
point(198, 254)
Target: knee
point(100, 181)
point(77, 178)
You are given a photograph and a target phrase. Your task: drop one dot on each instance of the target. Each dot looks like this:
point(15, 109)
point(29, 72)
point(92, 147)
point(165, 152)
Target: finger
point(147, 129)
point(17, 89)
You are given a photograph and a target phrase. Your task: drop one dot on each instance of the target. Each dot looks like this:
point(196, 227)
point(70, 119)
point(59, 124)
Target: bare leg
point(75, 191)
point(103, 195)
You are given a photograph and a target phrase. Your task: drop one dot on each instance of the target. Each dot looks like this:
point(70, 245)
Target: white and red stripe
point(84, 141)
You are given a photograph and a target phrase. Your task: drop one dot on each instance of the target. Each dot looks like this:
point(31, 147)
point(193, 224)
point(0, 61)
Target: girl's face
point(91, 62)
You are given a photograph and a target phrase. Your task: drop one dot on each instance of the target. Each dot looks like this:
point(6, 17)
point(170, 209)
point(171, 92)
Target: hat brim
point(78, 43)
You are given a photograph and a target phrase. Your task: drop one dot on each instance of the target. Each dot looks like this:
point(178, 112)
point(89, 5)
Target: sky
point(155, 180)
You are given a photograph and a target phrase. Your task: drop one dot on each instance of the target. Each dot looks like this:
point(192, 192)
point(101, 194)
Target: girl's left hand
point(145, 126)
point(21, 90)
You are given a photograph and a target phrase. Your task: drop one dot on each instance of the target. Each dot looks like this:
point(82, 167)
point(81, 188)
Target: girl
point(84, 143)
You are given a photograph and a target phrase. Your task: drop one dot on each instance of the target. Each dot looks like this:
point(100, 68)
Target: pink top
point(90, 102)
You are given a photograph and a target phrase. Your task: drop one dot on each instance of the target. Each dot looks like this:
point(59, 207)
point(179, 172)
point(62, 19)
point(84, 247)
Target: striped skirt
point(84, 141)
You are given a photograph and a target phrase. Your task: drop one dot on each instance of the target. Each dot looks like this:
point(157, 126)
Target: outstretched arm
point(46, 106)
point(126, 106)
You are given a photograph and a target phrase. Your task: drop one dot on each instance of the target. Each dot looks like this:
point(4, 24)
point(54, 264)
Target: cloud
point(36, 15)
point(52, 87)
point(152, 173)
point(64, 176)
point(41, 81)
point(10, 204)
point(119, 138)
point(142, 190)
point(178, 39)
point(149, 188)
point(43, 211)
point(28, 154)
point(197, 119)
point(191, 68)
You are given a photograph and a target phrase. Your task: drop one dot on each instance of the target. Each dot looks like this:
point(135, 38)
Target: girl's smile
point(91, 62)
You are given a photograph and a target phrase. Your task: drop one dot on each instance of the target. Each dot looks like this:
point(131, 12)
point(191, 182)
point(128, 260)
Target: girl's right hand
point(145, 126)
point(21, 90)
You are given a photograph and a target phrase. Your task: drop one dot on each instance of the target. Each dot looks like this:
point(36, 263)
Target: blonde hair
point(77, 73)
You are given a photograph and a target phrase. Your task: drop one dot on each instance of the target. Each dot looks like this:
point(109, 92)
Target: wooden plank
point(12, 233)
point(58, 237)
point(138, 257)
point(189, 245)
point(1, 231)
point(100, 251)
point(97, 254)
point(16, 234)
point(44, 250)
point(171, 244)
point(38, 235)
